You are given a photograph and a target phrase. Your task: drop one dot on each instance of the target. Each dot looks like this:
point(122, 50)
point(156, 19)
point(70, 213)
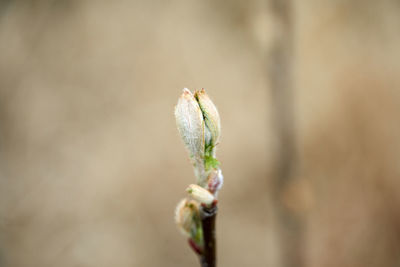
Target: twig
point(199, 125)
point(208, 259)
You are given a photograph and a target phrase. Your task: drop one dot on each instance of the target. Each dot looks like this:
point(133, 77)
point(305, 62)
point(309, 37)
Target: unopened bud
point(190, 122)
point(186, 214)
point(211, 117)
point(199, 125)
point(215, 181)
point(200, 194)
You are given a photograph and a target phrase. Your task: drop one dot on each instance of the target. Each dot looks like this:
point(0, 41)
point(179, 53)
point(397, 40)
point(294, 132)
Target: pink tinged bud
point(211, 117)
point(200, 194)
point(215, 181)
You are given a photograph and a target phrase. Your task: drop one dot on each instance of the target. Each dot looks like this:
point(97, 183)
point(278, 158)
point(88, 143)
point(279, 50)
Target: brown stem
point(208, 215)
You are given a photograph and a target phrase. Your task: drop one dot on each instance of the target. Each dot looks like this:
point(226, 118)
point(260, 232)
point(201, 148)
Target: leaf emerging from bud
point(200, 194)
point(211, 117)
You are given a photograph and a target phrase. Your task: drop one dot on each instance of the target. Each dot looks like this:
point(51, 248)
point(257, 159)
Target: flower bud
point(187, 217)
point(211, 117)
point(200, 194)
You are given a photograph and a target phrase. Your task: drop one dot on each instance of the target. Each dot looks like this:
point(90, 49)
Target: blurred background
point(91, 164)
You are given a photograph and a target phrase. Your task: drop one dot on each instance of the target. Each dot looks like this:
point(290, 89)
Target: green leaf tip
point(210, 162)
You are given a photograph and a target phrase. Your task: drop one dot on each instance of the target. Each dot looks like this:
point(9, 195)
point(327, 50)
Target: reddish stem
point(195, 247)
point(208, 216)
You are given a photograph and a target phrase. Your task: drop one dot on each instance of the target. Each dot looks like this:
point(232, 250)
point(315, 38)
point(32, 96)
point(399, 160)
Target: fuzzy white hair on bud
point(190, 123)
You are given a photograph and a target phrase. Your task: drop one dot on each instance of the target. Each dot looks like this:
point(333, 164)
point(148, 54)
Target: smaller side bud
point(186, 216)
point(200, 194)
point(215, 181)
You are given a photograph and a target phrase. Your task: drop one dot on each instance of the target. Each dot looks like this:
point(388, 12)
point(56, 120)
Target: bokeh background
point(91, 164)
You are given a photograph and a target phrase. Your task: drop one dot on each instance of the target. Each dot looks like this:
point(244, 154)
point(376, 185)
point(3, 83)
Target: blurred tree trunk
point(280, 66)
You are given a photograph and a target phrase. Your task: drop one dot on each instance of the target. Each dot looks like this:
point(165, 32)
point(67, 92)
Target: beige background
point(92, 165)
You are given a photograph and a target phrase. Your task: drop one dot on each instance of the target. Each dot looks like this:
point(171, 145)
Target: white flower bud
point(200, 194)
